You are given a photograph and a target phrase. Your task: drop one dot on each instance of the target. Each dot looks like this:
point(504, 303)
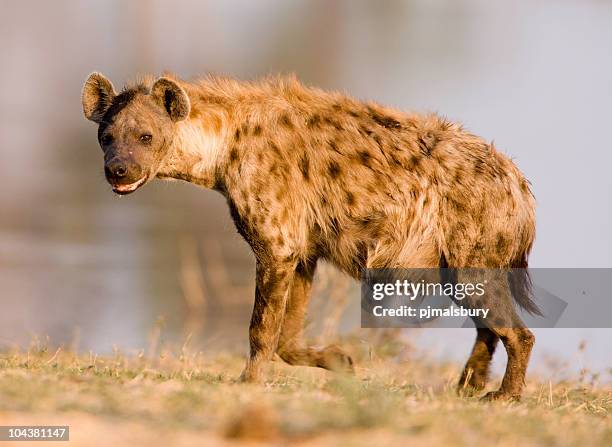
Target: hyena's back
point(367, 186)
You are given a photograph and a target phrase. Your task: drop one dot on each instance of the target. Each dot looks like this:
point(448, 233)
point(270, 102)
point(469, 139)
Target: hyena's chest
point(292, 228)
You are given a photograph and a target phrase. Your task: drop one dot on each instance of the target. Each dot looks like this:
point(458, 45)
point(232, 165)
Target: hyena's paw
point(335, 359)
point(471, 383)
point(500, 395)
point(250, 374)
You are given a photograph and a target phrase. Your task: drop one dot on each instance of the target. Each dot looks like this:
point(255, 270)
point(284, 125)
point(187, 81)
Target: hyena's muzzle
point(124, 174)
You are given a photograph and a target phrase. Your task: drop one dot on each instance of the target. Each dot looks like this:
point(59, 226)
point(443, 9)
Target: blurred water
point(83, 266)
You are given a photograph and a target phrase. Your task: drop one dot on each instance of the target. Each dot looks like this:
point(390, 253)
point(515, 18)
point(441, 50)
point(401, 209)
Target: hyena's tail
point(521, 286)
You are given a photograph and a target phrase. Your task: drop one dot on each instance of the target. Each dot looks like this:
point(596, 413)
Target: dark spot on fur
point(332, 122)
point(427, 143)
point(313, 121)
point(365, 222)
point(350, 198)
point(525, 187)
point(414, 162)
point(456, 205)
point(280, 241)
point(384, 121)
point(502, 243)
point(365, 131)
point(479, 167)
point(378, 141)
point(233, 156)
point(364, 157)
point(369, 226)
point(353, 113)
point(458, 178)
point(334, 146)
point(334, 170)
point(396, 161)
point(275, 148)
point(237, 135)
point(434, 179)
point(286, 121)
point(257, 130)
point(305, 167)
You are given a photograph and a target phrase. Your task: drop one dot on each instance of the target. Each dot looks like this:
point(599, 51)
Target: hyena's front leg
point(273, 281)
point(290, 346)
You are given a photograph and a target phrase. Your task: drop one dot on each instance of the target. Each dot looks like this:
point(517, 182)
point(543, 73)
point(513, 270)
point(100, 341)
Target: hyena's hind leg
point(504, 323)
point(476, 371)
point(290, 347)
point(518, 342)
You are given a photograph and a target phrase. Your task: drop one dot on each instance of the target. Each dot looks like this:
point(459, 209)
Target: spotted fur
point(310, 175)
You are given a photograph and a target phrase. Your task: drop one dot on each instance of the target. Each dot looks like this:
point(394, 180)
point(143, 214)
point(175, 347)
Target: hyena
point(310, 175)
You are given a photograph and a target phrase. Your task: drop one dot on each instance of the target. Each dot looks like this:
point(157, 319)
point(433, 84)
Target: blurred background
point(93, 271)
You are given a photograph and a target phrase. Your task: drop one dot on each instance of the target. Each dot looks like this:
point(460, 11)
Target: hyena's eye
point(146, 138)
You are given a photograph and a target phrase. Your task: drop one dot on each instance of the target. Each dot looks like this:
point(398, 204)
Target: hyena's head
point(136, 127)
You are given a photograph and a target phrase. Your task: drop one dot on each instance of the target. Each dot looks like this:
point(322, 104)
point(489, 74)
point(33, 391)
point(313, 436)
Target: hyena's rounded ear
point(97, 96)
point(171, 97)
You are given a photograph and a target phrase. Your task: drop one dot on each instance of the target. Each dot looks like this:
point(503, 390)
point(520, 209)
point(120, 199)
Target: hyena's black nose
point(116, 169)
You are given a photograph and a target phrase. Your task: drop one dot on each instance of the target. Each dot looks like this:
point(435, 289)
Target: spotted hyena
point(310, 175)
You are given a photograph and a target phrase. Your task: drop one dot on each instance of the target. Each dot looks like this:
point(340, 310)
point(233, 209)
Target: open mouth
point(126, 189)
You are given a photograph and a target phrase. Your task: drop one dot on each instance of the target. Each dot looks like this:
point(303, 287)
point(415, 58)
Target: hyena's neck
point(198, 147)
point(205, 144)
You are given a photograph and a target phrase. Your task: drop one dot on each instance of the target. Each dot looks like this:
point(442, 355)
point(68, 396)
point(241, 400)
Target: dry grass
point(164, 396)
point(182, 398)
